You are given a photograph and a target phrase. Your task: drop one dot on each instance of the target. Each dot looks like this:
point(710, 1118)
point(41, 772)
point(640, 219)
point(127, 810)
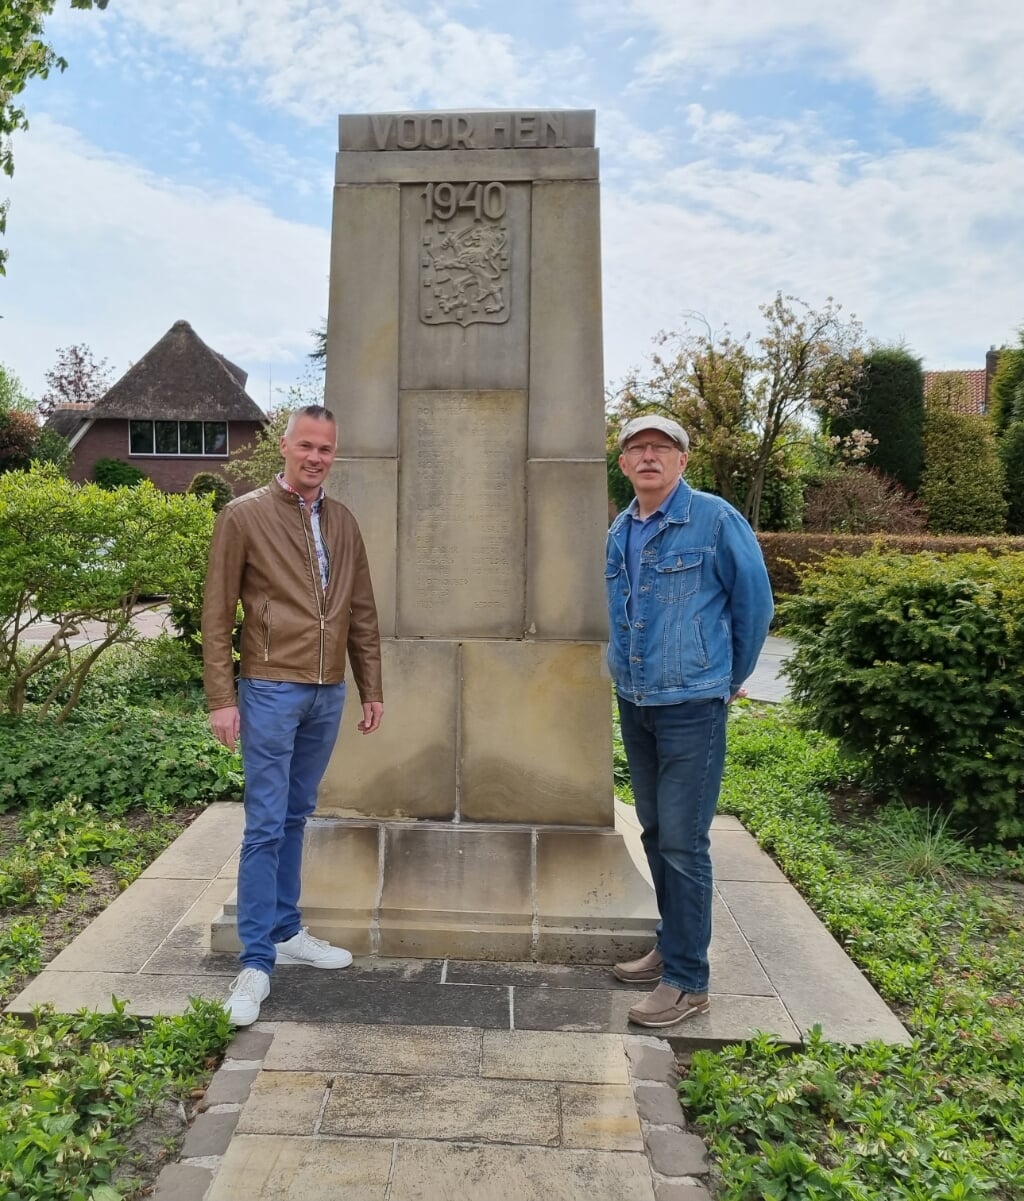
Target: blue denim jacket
point(703, 603)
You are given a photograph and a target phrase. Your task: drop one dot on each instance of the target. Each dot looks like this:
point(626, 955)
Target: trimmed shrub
point(208, 483)
point(116, 473)
point(917, 662)
point(788, 556)
point(857, 500)
point(962, 483)
point(1006, 395)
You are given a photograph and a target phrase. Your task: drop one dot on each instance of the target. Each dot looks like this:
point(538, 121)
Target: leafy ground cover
point(938, 927)
point(92, 1105)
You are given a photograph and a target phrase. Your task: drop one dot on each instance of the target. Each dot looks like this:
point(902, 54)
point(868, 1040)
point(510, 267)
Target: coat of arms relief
point(464, 268)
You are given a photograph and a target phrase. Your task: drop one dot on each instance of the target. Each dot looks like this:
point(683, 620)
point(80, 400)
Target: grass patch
point(938, 927)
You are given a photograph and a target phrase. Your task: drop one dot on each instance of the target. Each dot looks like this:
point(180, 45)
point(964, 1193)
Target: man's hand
point(373, 711)
point(738, 695)
point(225, 725)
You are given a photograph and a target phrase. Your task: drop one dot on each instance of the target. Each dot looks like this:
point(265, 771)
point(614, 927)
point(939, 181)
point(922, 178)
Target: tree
point(319, 352)
point(75, 378)
point(18, 434)
point(24, 56)
point(889, 401)
point(746, 404)
point(71, 553)
point(256, 463)
point(1006, 397)
point(962, 481)
point(12, 393)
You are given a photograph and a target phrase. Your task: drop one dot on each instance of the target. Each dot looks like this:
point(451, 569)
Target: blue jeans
point(288, 734)
point(676, 755)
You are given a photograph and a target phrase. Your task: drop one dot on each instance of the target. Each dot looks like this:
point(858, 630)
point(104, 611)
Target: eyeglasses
point(636, 450)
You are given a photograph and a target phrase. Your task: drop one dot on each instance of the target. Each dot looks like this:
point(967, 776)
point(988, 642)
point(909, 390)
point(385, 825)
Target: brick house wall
point(108, 439)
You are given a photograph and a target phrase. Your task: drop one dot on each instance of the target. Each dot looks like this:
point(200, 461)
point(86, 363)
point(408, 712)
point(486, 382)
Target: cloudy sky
point(869, 151)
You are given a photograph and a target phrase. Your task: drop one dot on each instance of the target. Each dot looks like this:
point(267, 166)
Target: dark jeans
point(676, 756)
point(288, 734)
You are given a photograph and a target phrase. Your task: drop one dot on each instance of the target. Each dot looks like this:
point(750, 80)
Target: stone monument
point(464, 365)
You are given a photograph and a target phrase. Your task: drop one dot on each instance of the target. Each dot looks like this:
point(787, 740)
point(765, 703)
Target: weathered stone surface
point(392, 1050)
point(250, 1043)
point(201, 851)
point(129, 930)
point(462, 453)
point(659, 1104)
point(677, 1153)
point(539, 1055)
point(230, 1085)
point(263, 1168)
point(650, 1059)
point(472, 349)
point(601, 1117)
point(456, 890)
point(428, 1171)
point(738, 857)
point(566, 524)
point(536, 733)
point(146, 995)
point(209, 1134)
point(784, 932)
point(440, 1107)
point(362, 319)
point(340, 871)
point(672, 1190)
point(186, 950)
point(284, 1103)
point(407, 768)
point(369, 488)
point(465, 166)
point(182, 1182)
point(566, 369)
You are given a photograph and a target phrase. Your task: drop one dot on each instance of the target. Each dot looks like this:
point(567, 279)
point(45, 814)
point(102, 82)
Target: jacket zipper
point(266, 632)
point(321, 600)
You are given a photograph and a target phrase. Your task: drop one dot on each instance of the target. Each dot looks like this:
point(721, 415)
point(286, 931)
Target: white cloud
point(917, 242)
point(314, 60)
point(106, 253)
point(966, 56)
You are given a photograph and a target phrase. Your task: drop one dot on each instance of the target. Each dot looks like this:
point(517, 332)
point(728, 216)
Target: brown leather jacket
point(263, 555)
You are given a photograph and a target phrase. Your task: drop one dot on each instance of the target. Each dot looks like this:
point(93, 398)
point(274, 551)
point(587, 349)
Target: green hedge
point(788, 556)
point(917, 662)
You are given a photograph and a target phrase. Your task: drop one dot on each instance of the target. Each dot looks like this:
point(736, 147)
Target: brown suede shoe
point(640, 971)
point(668, 1005)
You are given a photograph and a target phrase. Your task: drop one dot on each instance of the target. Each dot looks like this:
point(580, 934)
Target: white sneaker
point(248, 990)
point(313, 952)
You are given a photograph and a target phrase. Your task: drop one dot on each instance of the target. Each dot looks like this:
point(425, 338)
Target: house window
point(193, 438)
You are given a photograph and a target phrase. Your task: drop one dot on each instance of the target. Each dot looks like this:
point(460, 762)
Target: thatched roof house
point(180, 409)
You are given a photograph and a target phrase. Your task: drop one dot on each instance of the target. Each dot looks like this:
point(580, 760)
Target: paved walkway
point(436, 1080)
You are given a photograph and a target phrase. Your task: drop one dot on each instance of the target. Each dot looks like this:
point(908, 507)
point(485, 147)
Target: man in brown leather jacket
point(295, 559)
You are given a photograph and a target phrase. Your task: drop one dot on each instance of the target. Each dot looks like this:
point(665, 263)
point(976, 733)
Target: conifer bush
point(917, 663)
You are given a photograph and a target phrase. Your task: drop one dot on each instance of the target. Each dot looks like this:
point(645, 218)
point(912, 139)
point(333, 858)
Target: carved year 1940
point(464, 268)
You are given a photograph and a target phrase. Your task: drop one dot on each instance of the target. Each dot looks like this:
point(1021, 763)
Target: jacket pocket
point(677, 576)
point(265, 618)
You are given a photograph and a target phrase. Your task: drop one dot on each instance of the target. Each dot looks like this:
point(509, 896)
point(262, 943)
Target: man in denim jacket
point(689, 604)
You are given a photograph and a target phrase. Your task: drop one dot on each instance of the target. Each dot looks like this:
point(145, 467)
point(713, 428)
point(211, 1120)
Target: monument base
point(435, 890)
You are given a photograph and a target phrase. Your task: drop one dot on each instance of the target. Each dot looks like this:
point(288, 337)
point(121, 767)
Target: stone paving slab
point(274, 1168)
point(731, 1017)
point(397, 1050)
point(534, 1055)
point(438, 1107)
point(435, 1171)
point(285, 1103)
point(299, 995)
point(599, 1117)
point(68, 992)
point(202, 850)
point(815, 979)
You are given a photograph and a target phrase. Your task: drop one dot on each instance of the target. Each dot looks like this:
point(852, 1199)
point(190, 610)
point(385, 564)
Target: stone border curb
point(678, 1158)
point(216, 1116)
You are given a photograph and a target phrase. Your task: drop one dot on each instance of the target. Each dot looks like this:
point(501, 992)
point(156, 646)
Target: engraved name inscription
point(464, 268)
point(462, 514)
point(460, 131)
